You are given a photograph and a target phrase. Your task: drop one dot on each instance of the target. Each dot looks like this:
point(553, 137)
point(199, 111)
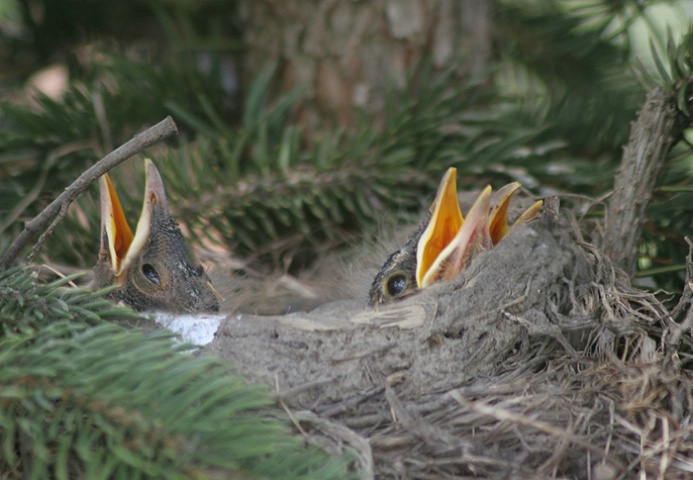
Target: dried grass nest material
point(540, 361)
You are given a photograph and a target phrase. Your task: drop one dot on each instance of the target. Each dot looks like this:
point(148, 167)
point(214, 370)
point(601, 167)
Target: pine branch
point(26, 305)
point(80, 397)
point(578, 67)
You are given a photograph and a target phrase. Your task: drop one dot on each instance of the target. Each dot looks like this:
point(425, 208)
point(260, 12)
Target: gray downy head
point(152, 268)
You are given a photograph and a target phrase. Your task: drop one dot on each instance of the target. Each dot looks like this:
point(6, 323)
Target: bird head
point(446, 242)
point(152, 268)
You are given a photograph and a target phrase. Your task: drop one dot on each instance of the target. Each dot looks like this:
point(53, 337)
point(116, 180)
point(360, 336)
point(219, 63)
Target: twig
point(292, 392)
point(162, 130)
point(676, 330)
point(352, 401)
point(343, 435)
point(56, 272)
point(505, 415)
point(54, 223)
point(430, 434)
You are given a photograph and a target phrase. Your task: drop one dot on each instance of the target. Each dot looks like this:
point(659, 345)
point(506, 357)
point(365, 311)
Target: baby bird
point(153, 268)
point(446, 242)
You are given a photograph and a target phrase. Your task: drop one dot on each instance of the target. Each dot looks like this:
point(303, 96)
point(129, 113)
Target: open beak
point(115, 230)
point(449, 242)
point(472, 238)
point(122, 244)
point(498, 217)
point(446, 221)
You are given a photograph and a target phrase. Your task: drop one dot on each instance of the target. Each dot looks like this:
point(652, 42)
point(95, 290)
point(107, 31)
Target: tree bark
point(348, 54)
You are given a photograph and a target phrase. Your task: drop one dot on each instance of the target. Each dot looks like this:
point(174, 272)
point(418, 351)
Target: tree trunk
point(347, 54)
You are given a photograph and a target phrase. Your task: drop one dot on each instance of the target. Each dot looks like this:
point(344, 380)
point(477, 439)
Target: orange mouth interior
point(446, 221)
point(120, 235)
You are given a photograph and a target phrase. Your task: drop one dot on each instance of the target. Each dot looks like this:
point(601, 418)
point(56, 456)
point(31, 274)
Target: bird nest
point(539, 361)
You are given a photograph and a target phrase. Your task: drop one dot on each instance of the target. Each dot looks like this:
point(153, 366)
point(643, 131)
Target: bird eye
point(396, 284)
point(151, 274)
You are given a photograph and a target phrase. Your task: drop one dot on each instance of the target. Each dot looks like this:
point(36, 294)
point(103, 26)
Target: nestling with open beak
point(446, 242)
point(153, 268)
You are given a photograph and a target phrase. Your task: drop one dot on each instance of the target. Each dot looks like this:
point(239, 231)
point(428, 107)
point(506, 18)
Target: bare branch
point(658, 127)
point(161, 131)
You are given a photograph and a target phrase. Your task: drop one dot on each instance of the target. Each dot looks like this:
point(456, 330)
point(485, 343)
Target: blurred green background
point(264, 172)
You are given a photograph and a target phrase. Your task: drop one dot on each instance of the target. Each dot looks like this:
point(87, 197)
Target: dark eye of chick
point(396, 284)
point(151, 274)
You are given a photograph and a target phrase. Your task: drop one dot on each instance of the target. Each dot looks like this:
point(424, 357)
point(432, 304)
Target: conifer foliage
point(82, 397)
